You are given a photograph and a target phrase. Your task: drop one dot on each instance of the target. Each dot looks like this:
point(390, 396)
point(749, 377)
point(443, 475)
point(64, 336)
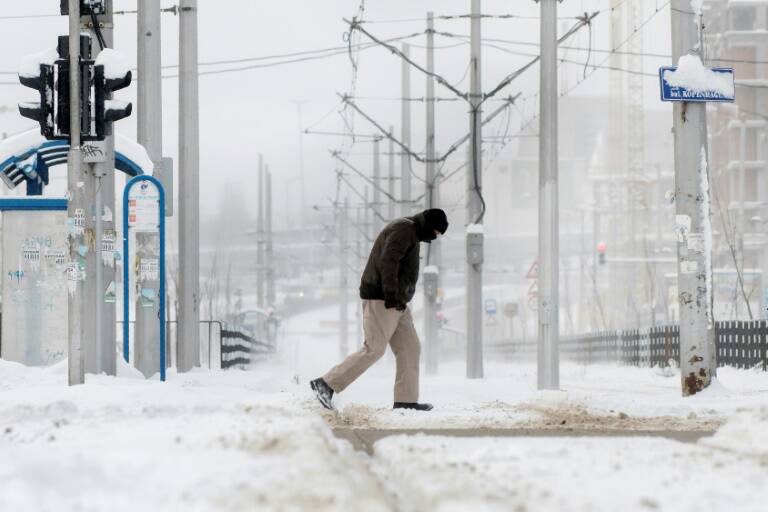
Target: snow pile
point(202, 441)
point(115, 64)
point(29, 67)
point(562, 474)
point(692, 75)
point(431, 269)
point(746, 433)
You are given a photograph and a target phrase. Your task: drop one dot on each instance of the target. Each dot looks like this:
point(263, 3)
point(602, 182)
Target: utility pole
point(343, 291)
point(149, 127)
point(391, 179)
point(741, 220)
point(405, 135)
point(269, 255)
point(76, 207)
point(548, 357)
point(431, 278)
point(376, 226)
point(303, 215)
point(692, 201)
point(260, 235)
point(474, 285)
point(99, 329)
point(188, 346)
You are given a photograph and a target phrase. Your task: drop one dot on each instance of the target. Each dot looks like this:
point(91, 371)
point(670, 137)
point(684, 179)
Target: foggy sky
point(250, 112)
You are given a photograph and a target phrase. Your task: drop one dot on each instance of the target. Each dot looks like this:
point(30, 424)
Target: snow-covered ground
point(257, 440)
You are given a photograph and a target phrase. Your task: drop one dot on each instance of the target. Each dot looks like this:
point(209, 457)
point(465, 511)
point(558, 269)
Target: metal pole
point(430, 297)
point(100, 353)
point(149, 128)
point(391, 179)
point(303, 216)
point(269, 256)
point(548, 364)
point(474, 293)
point(359, 244)
point(260, 235)
point(188, 344)
point(694, 252)
point(405, 137)
point(343, 292)
point(76, 207)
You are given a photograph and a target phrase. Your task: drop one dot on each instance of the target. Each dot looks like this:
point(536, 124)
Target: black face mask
point(427, 234)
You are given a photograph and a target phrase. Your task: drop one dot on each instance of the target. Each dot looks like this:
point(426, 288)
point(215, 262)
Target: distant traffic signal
point(601, 253)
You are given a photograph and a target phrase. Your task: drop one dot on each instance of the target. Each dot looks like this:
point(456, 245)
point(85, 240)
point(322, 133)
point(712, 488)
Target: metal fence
point(740, 344)
point(239, 348)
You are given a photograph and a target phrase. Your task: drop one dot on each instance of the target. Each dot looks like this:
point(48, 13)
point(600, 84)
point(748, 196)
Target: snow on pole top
point(431, 269)
point(29, 67)
point(475, 228)
point(115, 64)
point(694, 77)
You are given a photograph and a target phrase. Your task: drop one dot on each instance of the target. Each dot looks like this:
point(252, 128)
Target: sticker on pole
point(143, 207)
point(691, 81)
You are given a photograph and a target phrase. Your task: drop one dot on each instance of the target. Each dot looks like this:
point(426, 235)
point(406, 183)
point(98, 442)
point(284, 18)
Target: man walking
point(386, 288)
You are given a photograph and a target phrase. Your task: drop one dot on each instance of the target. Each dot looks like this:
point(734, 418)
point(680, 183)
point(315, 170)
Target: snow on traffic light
point(36, 71)
point(111, 73)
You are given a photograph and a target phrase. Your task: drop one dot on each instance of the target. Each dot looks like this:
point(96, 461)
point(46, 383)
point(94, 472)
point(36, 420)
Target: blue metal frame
point(54, 152)
point(33, 203)
point(662, 88)
point(126, 260)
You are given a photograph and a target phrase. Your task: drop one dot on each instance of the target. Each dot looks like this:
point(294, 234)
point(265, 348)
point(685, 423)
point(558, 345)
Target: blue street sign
point(144, 213)
point(673, 93)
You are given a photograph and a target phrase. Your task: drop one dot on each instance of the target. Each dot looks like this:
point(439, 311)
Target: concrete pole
point(269, 254)
point(343, 289)
point(260, 235)
point(430, 296)
point(741, 222)
point(548, 358)
point(303, 215)
point(694, 252)
point(376, 225)
point(474, 284)
point(149, 128)
point(100, 329)
point(76, 208)
point(405, 135)
point(391, 179)
point(188, 346)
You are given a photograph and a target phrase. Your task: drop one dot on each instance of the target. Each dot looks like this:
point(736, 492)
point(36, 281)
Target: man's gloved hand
point(390, 304)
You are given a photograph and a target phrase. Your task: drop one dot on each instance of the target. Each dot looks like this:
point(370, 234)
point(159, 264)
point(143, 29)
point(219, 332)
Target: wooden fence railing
point(741, 344)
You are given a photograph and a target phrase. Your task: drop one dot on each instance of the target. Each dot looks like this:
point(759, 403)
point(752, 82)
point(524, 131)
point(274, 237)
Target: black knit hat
point(436, 219)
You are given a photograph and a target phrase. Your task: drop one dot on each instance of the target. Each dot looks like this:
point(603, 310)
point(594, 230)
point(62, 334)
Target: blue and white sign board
point(143, 215)
point(724, 93)
point(490, 306)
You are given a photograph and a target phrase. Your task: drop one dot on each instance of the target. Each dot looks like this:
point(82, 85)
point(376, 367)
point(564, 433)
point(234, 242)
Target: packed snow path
point(257, 440)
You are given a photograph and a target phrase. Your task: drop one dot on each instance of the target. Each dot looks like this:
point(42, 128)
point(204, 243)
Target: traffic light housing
point(601, 253)
point(39, 76)
point(107, 78)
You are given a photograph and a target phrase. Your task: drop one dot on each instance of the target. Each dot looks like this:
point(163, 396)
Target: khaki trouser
point(382, 326)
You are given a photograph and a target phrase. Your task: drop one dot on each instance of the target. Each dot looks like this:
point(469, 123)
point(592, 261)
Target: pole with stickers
point(144, 273)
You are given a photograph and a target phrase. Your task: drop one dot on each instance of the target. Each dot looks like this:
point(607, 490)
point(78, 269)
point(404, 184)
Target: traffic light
point(601, 253)
point(38, 74)
point(62, 88)
point(110, 74)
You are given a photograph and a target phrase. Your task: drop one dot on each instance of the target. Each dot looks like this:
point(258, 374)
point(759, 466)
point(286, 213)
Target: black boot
point(413, 405)
point(323, 392)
